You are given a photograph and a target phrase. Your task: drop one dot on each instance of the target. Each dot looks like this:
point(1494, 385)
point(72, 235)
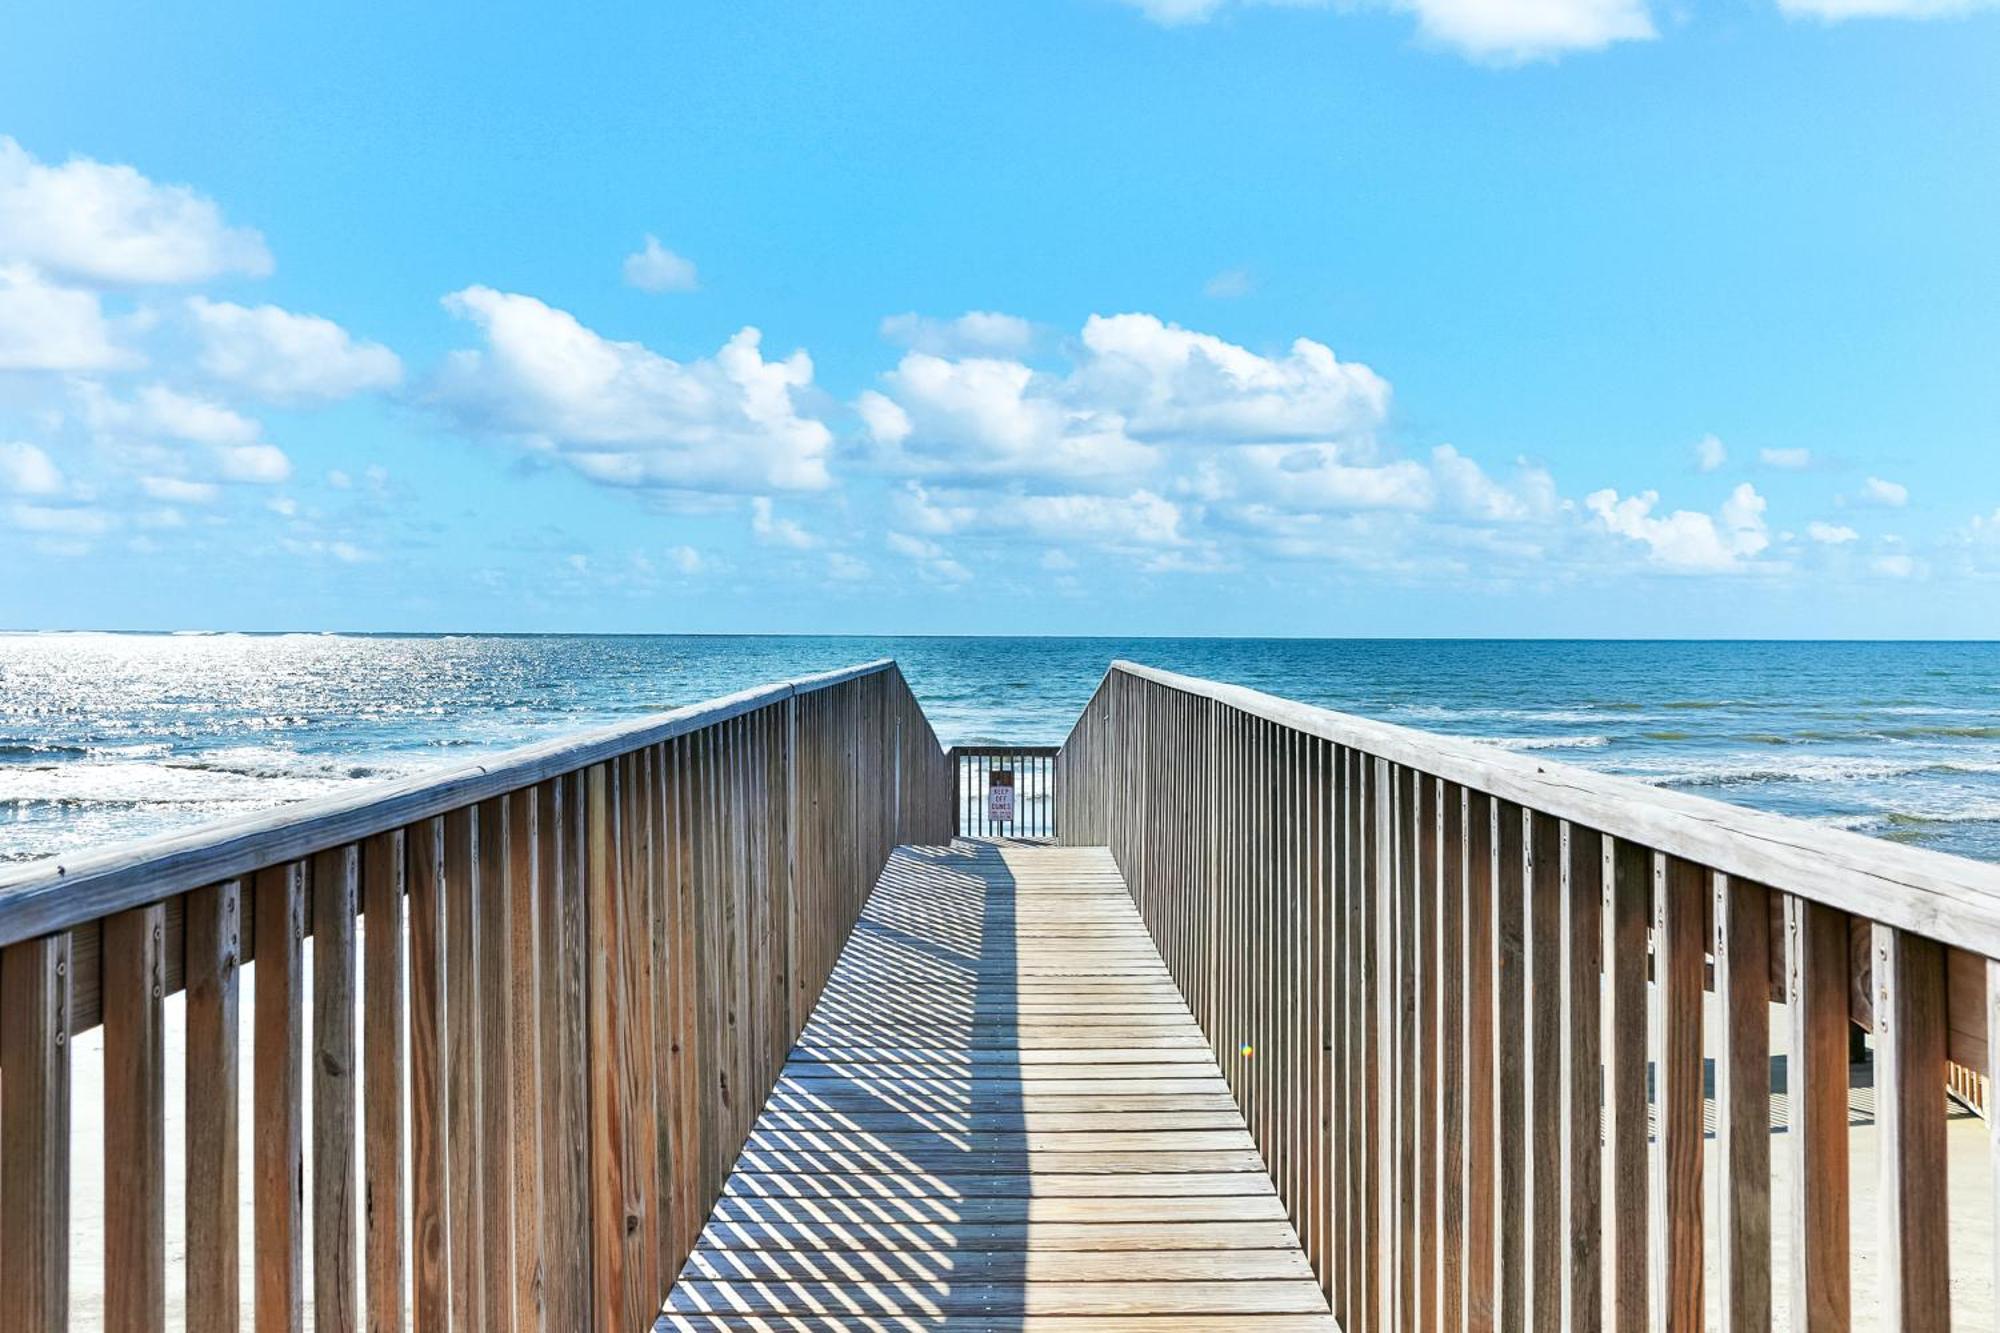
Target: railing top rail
point(39, 897)
point(1943, 897)
point(1032, 751)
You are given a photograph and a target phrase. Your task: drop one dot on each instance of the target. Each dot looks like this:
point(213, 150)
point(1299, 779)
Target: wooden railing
point(548, 994)
point(1030, 770)
point(1441, 979)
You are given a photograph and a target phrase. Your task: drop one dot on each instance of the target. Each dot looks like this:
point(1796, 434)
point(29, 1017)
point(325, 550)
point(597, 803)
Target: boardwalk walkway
point(1000, 1117)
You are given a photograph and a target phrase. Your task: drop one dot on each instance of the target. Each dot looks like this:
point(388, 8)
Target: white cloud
point(1140, 519)
point(259, 464)
point(686, 560)
point(1710, 453)
point(624, 415)
point(932, 560)
point(772, 530)
point(179, 490)
point(654, 268)
point(1889, 494)
point(286, 357)
point(1791, 460)
point(26, 470)
point(61, 521)
point(97, 222)
point(187, 417)
point(1830, 534)
point(1515, 31)
point(47, 327)
point(1229, 284)
point(1135, 383)
point(1497, 31)
point(1834, 11)
point(972, 333)
point(1170, 383)
point(1687, 540)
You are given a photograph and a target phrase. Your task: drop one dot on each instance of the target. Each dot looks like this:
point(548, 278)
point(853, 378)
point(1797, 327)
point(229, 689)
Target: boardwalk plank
point(1000, 1114)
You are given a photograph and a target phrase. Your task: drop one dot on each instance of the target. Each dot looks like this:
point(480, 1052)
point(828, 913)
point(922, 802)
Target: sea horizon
point(156, 731)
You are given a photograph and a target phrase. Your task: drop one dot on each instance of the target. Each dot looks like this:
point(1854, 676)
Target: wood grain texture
point(34, 1134)
point(1742, 951)
point(384, 863)
point(214, 956)
point(278, 1152)
point(1680, 892)
point(135, 1121)
point(336, 883)
point(430, 1181)
point(1909, 1076)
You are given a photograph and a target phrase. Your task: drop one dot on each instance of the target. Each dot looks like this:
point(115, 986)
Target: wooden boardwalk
point(1001, 1116)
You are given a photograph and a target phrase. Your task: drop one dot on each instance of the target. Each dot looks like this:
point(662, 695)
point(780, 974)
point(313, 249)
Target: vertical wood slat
point(1452, 967)
point(1742, 952)
point(135, 1121)
point(430, 1208)
point(1680, 962)
point(1547, 877)
point(214, 954)
point(279, 1099)
point(1583, 1074)
point(1482, 1308)
point(494, 923)
point(34, 1132)
point(1816, 999)
point(336, 1289)
point(1511, 1041)
point(464, 1220)
point(1909, 1098)
point(1628, 893)
point(524, 1073)
point(383, 881)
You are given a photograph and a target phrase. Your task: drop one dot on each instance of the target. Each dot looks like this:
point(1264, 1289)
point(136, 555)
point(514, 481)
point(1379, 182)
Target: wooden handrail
point(1911, 888)
point(572, 971)
point(1460, 996)
point(39, 897)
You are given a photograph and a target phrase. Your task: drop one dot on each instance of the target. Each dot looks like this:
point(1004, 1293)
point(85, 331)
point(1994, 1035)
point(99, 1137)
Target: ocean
point(106, 737)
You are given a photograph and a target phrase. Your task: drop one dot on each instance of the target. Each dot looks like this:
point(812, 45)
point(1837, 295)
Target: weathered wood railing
point(577, 969)
point(1438, 976)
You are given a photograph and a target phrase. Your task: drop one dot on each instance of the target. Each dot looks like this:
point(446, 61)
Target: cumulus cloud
point(1831, 534)
point(1791, 460)
point(232, 444)
point(26, 470)
point(1685, 540)
point(1888, 494)
point(1135, 383)
point(624, 415)
point(96, 222)
point(286, 357)
point(1710, 453)
point(654, 268)
point(1495, 31)
point(972, 333)
point(44, 326)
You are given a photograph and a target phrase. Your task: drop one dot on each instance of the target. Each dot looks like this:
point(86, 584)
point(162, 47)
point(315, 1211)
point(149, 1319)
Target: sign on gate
point(1000, 796)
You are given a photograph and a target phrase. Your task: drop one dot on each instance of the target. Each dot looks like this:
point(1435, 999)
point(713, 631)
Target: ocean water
point(110, 736)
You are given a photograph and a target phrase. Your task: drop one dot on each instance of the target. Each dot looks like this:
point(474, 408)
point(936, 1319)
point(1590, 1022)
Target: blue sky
point(1446, 317)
